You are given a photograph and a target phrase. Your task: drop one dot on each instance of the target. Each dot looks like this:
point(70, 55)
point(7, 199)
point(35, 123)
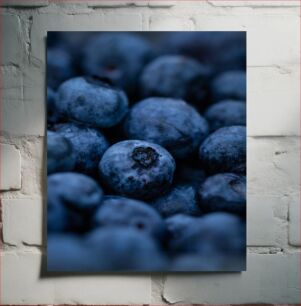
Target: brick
point(268, 33)
point(125, 3)
point(10, 167)
point(86, 22)
point(261, 225)
point(273, 166)
point(121, 22)
point(22, 283)
point(161, 3)
point(13, 47)
point(276, 89)
point(23, 102)
point(22, 221)
point(170, 23)
point(24, 3)
point(33, 166)
point(116, 3)
point(250, 3)
point(268, 279)
point(294, 220)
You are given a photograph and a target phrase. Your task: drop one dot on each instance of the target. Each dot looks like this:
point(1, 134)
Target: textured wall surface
point(273, 273)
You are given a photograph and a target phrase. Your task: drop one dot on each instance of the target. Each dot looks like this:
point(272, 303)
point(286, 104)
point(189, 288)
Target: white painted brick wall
point(10, 172)
point(269, 279)
point(23, 284)
point(23, 219)
point(273, 151)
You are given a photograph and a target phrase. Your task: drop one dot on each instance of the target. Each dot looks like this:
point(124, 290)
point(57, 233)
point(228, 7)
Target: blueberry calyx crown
point(145, 156)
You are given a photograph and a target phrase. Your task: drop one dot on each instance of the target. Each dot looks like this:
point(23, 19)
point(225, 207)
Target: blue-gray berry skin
point(214, 262)
point(226, 113)
point(108, 249)
point(59, 67)
point(88, 145)
point(196, 262)
point(175, 76)
point(182, 199)
point(178, 223)
point(72, 199)
point(121, 211)
point(60, 153)
point(221, 50)
point(124, 249)
point(92, 102)
point(67, 253)
point(137, 169)
point(225, 150)
point(120, 57)
point(171, 123)
point(230, 85)
point(52, 113)
point(224, 192)
point(211, 235)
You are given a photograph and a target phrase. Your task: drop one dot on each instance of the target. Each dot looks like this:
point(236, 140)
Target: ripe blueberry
point(225, 150)
point(90, 101)
point(120, 57)
point(72, 199)
point(224, 192)
point(212, 235)
point(88, 145)
point(177, 77)
point(182, 199)
point(137, 169)
point(124, 249)
point(226, 113)
point(60, 153)
point(59, 67)
point(229, 85)
point(120, 211)
point(171, 123)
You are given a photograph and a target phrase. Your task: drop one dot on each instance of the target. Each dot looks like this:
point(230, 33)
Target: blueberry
point(72, 199)
point(60, 154)
point(177, 77)
point(90, 101)
point(171, 123)
point(66, 253)
point(177, 227)
point(88, 146)
point(215, 262)
point(52, 113)
point(59, 67)
point(225, 150)
point(137, 169)
point(72, 42)
point(221, 50)
point(196, 262)
point(226, 113)
point(182, 199)
point(229, 85)
point(120, 57)
point(224, 192)
point(124, 249)
point(120, 211)
point(212, 235)
point(178, 224)
point(108, 249)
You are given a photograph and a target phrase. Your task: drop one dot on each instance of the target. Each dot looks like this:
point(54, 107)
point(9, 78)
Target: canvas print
point(146, 151)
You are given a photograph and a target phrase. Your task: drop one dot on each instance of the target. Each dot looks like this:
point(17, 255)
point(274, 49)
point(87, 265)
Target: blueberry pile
point(146, 159)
